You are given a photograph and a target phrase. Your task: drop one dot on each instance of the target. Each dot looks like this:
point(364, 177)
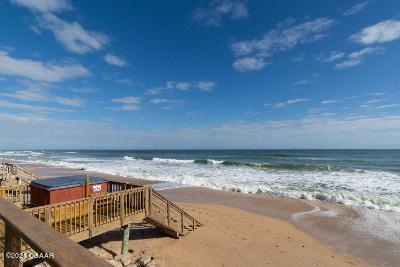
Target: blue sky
point(199, 74)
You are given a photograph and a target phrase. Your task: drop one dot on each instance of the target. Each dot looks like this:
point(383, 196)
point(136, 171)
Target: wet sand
point(329, 228)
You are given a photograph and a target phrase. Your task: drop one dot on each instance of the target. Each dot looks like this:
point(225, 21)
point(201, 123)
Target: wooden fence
point(12, 171)
point(17, 194)
point(83, 218)
point(20, 232)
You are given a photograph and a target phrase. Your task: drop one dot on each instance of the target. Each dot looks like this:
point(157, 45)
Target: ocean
point(361, 178)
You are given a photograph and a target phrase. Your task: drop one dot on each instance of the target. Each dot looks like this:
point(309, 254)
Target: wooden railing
point(26, 175)
point(165, 212)
point(87, 217)
point(9, 170)
point(114, 186)
point(17, 194)
point(83, 218)
point(19, 230)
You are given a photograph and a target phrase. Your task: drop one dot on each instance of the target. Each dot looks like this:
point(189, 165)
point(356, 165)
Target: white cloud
point(128, 100)
point(73, 102)
point(384, 31)
point(297, 100)
point(386, 106)
point(311, 79)
point(285, 36)
point(35, 29)
point(373, 101)
point(364, 52)
point(154, 90)
point(183, 86)
point(157, 101)
point(115, 60)
point(297, 58)
point(329, 101)
point(72, 35)
point(40, 71)
point(348, 63)
point(39, 92)
point(212, 13)
point(130, 103)
point(301, 82)
point(84, 90)
point(355, 9)
point(125, 81)
point(44, 6)
point(206, 86)
point(31, 108)
point(248, 64)
point(332, 56)
point(356, 58)
point(319, 132)
point(375, 94)
point(290, 102)
point(33, 93)
point(372, 104)
point(167, 103)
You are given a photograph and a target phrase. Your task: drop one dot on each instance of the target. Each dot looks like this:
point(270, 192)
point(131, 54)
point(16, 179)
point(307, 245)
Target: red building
point(60, 189)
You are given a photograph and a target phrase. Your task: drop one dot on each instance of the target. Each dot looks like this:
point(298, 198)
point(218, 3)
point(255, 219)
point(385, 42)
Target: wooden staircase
point(10, 171)
point(87, 217)
point(26, 175)
point(167, 216)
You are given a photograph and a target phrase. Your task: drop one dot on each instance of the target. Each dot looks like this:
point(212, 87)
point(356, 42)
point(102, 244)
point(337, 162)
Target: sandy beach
point(230, 237)
point(244, 229)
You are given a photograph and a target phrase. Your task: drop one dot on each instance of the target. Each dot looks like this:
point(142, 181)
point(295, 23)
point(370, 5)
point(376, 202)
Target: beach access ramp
point(124, 204)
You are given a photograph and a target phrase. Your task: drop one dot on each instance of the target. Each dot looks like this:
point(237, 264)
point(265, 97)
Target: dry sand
point(230, 237)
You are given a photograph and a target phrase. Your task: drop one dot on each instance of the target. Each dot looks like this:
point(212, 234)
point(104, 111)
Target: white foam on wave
point(26, 153)
point(169, 185)
point(316, 211)
point(371, 189)
point(173, 160)
point(213, 161)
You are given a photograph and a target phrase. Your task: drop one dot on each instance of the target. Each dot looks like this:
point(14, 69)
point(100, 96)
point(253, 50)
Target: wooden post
point(90, 215)
point(150, 193)
point(168, 215)
point(122, 205)
point(125, 240)
point(12, 245)
point(182, 226)
point(146, 202)
point(47, 216)
point(87, 186)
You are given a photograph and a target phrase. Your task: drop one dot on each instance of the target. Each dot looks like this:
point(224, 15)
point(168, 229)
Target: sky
point(217, 74)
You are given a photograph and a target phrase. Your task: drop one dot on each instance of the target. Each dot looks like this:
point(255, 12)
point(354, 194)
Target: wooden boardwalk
point(87, 217)
point(9, 171)
point(84, 218)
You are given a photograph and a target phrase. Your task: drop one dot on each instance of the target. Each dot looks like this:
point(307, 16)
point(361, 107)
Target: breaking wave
point(350, 185)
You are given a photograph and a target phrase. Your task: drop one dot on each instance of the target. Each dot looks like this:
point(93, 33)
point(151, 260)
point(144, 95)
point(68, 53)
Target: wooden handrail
point(27, 173)
point(86, 198)
point(42, 239)
point(13, 170)
point(17, 194)
point(171, 204)
point(85, 217)
point(89, 214)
